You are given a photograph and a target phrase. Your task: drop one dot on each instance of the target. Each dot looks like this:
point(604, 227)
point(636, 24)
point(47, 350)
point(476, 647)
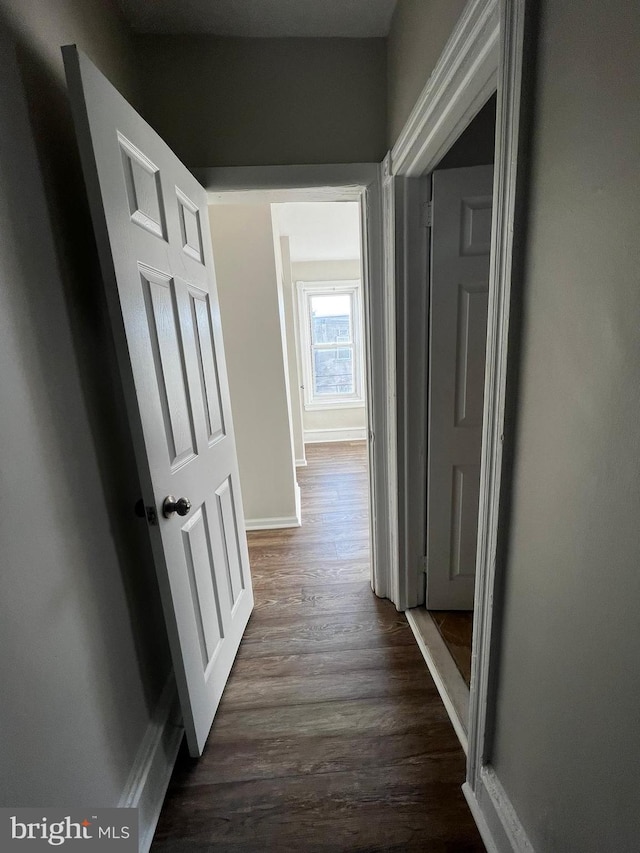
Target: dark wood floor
point(331, 735)
point(456, 629)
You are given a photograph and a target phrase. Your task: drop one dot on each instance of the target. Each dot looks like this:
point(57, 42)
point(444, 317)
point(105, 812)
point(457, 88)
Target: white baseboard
point(149, 778)
point(495, 817)
point(319, 436)
point(271, 523)
point(301, 463)
point(485, 833)
point(450, 683)
point(493, 812)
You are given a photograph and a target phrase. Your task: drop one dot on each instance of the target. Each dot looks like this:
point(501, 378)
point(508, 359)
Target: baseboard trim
point(493, 812)
point(320, 436)
point(450, 683)
point(485, 833)
point(505, 812)
point(149, 778)
point(301, 463)
point(276, 523)
point(495, 817)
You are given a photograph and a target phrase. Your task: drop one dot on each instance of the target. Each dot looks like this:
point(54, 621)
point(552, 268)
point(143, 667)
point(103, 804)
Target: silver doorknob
point(180, 505)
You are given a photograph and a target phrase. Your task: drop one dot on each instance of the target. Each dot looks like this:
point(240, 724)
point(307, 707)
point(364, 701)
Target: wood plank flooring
point(331, 735)
point(456, 629)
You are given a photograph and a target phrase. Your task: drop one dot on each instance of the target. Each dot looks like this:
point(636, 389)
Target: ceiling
point(320, 231)
point(262, 18)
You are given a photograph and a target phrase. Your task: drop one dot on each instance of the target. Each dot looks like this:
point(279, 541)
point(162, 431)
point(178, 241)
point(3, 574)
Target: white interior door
point(460, 250)
point(152, 230)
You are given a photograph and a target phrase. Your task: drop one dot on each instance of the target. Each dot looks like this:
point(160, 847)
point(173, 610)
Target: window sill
point(334, 404)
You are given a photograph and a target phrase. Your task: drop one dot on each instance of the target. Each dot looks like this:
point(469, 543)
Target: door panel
point(231, 540)
point(204, 587)
point(470, 351)
point(190, 229)
point(460, 250)
point(151, 226)
point(170, 365)
point(464, 511)
point(199, 309)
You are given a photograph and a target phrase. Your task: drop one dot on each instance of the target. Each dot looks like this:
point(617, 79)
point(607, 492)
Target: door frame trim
point(485, 52)
point(464, 78)
point(444, 671)
point(359, 182)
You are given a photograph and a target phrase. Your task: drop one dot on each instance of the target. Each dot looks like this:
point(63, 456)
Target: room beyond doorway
point(292, 284)
point(323, 306)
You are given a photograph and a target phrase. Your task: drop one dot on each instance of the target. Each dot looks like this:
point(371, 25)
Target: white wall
point(293, 366)
point(250, 307)
point(284, 307)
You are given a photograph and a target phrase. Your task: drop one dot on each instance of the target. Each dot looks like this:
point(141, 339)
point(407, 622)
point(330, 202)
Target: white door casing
point(151, 225)
point(360, 182)
point(460, 252)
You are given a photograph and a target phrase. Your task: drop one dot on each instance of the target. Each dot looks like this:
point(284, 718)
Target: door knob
point(180, 505)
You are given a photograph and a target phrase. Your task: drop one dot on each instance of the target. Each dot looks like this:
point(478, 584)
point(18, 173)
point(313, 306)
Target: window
point(330, 338)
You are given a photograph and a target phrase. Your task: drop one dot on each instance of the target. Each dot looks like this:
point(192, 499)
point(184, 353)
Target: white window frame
point(306, 290)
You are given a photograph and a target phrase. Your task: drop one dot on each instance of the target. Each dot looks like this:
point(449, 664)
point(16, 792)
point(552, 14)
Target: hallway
point(331, 735)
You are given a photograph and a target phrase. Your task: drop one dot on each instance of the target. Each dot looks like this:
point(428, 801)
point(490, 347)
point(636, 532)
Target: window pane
point(333, 371)
point(331, 318)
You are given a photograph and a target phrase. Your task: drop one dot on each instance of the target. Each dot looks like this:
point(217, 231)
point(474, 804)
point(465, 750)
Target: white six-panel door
point(460, 250)
point(152, 230)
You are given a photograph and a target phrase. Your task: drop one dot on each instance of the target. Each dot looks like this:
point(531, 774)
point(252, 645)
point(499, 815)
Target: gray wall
point(84, 654)
point(419, 31)
point(247, 102)
point(567, 743)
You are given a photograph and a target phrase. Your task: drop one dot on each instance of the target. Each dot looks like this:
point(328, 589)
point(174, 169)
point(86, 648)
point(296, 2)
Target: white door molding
point(485, 50)
point(462, 81)
point(412, 340)
point(280, 184)
point(482, 784)
point(394, 579)
point(359, 182)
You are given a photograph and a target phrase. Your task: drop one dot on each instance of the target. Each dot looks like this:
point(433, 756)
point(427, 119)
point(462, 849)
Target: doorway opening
point(458, 250)
point(293, 301)
point(322, 275)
